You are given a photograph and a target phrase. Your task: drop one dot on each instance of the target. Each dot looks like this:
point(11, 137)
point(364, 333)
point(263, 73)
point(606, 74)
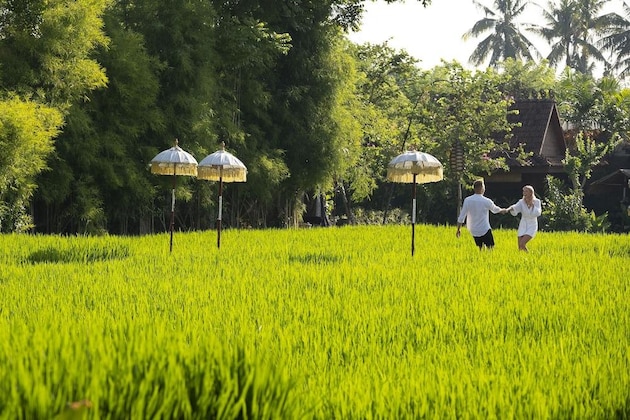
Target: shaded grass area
point(77, 254)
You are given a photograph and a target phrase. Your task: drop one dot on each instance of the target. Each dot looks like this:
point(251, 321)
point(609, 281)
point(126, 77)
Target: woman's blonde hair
point(529, 187)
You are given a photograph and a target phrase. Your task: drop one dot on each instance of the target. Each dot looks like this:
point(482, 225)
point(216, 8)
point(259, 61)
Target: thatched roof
point(539, 132)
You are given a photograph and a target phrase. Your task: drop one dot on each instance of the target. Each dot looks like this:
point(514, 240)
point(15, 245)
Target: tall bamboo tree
point(46, 52)
point(98, 179)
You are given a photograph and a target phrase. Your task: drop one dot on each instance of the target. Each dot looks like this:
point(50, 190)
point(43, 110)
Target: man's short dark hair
point(478, 184)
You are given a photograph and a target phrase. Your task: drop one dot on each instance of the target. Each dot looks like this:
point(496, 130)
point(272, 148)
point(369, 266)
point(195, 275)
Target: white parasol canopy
point(174, 161)
point(414, 167)
point(221, 166)
point(425, 166)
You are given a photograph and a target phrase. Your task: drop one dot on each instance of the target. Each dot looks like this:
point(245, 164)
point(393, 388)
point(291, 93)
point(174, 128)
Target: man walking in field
point(475, 211)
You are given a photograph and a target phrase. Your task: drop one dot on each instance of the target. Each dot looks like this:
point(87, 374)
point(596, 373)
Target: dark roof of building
point(619, 178)
point(539, 123)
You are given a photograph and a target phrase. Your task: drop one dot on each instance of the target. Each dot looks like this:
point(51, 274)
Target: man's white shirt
point(475, 212)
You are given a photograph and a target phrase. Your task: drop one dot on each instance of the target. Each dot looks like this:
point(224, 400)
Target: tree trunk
point(346, 203)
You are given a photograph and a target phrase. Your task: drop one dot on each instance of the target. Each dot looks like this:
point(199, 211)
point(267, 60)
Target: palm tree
point(592, 27)
point(572, 29)
point(559, 31)
point(618, 43)
point(506, 39)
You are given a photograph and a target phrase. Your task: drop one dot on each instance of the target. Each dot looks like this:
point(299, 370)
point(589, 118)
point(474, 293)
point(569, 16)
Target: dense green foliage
point(280, 84)
point(45, 49)
point(315, 323)
point(26, 132)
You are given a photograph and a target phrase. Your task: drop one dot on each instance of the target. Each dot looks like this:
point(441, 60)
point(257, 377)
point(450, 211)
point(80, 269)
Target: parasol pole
point(220, 206)
point(173, 205)
point(413, 215)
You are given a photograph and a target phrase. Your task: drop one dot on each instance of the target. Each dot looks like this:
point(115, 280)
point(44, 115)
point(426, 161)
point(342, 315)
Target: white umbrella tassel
point(413, 217)
point(220, 214)
point(172, 225)
point(413, 209)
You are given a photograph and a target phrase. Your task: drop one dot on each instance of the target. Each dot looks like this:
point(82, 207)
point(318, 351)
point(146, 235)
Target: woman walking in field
point(530, 208)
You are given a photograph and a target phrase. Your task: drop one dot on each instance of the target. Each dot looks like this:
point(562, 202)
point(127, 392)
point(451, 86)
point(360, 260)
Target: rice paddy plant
point(315, 323)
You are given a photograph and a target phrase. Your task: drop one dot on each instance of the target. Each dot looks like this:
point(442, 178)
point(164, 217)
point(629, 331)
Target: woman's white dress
point(529, 217)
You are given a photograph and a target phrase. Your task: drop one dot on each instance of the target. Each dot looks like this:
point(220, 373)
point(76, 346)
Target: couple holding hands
point(476, 208)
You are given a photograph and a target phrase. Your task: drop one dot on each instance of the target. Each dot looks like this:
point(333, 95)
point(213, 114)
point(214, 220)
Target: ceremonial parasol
point(174, 161)
point(221, 166)
point(414, 167)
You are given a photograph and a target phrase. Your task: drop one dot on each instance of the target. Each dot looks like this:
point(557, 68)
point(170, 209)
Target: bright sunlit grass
point(316, 323)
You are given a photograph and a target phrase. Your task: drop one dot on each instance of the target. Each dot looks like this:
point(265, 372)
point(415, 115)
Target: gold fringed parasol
point(417, 168)
point(221, 166)
point(174, 161)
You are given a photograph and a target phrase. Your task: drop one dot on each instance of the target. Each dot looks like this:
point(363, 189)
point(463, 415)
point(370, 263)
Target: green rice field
point(321, 323)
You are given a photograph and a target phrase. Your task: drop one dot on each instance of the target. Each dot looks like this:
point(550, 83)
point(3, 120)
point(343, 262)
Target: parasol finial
point(223, 145)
